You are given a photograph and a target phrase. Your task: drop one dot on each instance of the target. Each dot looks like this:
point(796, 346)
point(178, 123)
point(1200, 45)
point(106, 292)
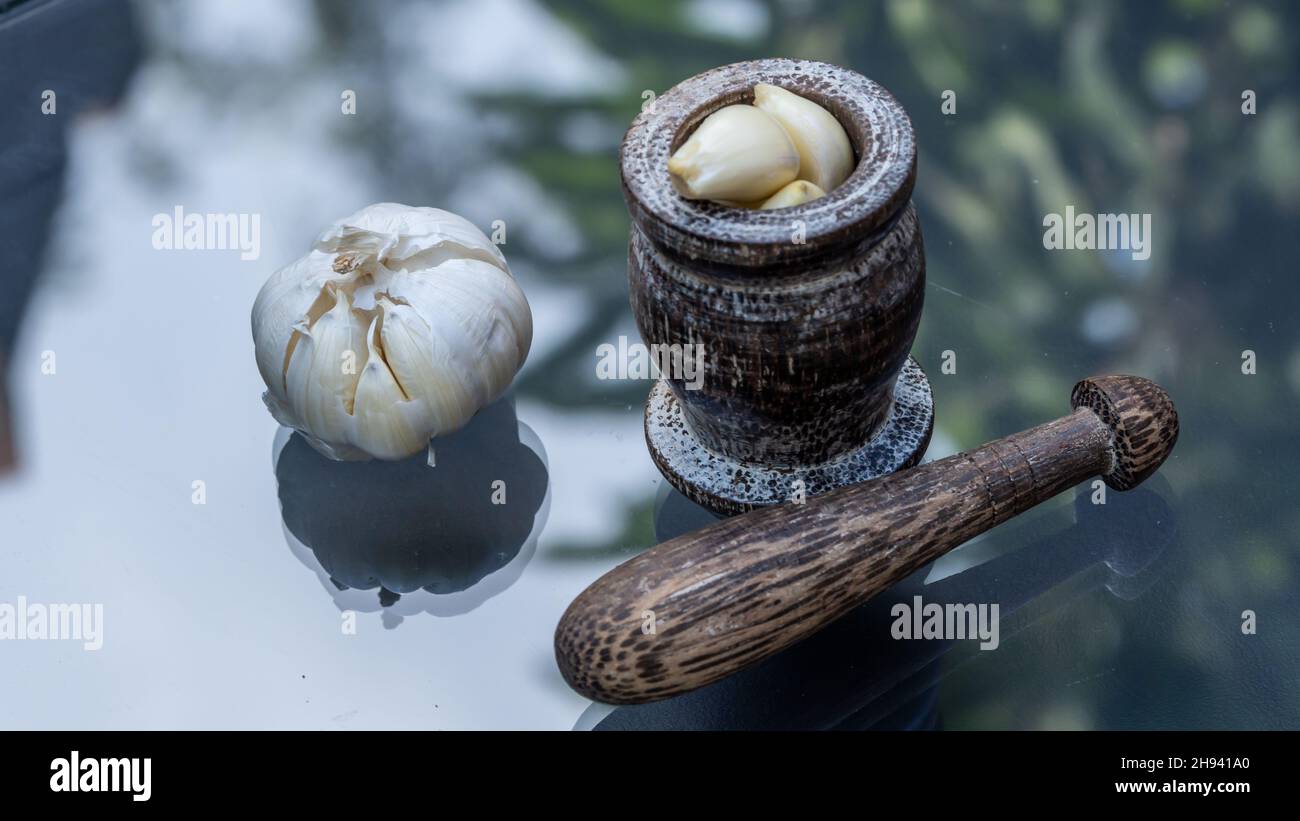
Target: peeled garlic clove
point(825, 155)
point(322, 375)
point(738, 153)
point(796, 193)
point(400, 324)
point(291, 294)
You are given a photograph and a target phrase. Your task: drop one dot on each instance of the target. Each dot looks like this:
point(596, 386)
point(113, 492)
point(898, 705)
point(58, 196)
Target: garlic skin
point(397, 326)
point(796, 193)
point(737, 153)
point(825, 154)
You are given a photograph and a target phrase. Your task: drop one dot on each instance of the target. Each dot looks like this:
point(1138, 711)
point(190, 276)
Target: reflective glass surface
point(245, 581)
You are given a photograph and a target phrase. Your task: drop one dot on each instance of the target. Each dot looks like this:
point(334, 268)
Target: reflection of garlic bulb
point(398, 326)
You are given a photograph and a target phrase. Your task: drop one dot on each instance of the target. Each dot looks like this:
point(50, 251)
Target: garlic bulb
point(796, 193)
point(825, 155)
point(738, 153)
point(397, 326)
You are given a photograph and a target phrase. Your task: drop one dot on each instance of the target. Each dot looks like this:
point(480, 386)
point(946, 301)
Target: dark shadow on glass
point(676, 515)
point(855, 675)
point(440, 540)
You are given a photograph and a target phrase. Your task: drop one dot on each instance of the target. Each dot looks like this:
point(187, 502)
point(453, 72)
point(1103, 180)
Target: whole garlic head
point(397, 326)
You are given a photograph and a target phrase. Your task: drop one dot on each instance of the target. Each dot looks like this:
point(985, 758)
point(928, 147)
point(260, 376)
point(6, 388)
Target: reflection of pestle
point(854, 674)
point(1126, 536)
point(407, 526)
point(1123, 547)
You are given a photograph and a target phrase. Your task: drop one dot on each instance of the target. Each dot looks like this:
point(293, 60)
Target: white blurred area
point(210, 621)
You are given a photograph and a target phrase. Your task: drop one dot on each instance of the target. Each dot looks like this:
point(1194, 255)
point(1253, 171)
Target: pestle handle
point(702, 606)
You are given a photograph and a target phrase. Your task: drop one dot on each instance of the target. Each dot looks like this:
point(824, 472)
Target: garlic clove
point(825, 154)
point(287, 298)
point(484, 329)
point(738, 153)
point(412, 350)
point(325, 363)
point(388, 423)
point(796, 193)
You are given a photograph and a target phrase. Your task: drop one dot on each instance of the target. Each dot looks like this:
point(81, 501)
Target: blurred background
point(513, 110)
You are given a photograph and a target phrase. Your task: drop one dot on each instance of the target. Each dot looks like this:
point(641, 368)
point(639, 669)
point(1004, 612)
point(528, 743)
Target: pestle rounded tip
point(1142, 419)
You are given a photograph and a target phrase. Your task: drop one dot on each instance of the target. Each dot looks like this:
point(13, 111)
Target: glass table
point(246, 582)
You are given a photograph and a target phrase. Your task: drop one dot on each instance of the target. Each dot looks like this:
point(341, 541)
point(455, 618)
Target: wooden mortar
point(806, 314)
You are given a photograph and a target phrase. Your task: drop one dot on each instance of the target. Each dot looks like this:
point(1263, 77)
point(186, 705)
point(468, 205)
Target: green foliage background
point(1107, 106)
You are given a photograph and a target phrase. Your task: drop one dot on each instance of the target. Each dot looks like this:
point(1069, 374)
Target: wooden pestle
point(704, 605)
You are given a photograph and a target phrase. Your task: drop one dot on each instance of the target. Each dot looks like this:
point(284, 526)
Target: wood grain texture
point(736, 592)
point(731, 486)
point(799, 369)
point(1144, 420)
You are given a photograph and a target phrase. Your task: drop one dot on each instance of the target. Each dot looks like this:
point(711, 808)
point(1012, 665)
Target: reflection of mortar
point(854, 674)
point(805, 314)
point(429, 538)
